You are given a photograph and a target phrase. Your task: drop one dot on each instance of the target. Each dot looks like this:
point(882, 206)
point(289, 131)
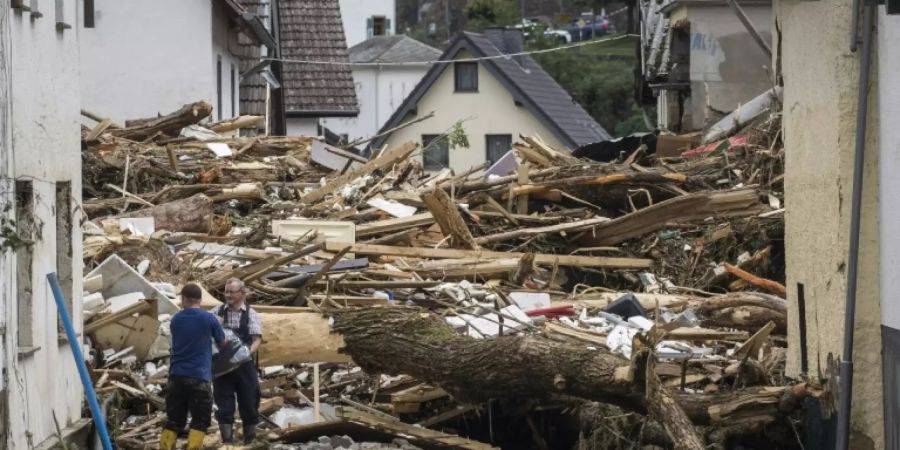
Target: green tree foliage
point(600, 78)
point(482, 14)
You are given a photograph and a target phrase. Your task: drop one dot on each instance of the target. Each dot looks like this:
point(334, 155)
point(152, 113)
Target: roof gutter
point(252, 24)
point(308, 114)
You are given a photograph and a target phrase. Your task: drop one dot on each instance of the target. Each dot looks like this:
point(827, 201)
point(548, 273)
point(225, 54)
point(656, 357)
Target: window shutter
point(370, 27)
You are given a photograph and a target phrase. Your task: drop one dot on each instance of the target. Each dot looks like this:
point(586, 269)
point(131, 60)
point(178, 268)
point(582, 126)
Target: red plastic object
point(552, 311)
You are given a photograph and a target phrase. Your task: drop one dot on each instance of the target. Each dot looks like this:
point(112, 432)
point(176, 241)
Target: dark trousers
point(241, 383)
point(185, 395)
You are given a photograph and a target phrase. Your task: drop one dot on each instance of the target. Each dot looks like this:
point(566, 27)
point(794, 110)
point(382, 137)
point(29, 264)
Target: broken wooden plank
point(687, 208)
point(139, 307)
point(540, 258)
point(383, 161)
point(771, 285)
point(527, 232)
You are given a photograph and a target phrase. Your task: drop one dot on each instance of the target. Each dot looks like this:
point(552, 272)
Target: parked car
point(589, 27)
point(532, 25)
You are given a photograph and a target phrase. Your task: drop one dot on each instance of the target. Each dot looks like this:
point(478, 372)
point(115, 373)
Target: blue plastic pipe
point(99, 418)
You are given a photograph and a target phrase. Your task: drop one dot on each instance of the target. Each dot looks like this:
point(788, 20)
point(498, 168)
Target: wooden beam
point(391, 225)
point(385, 160)
point(446, 214)
point(540, 258)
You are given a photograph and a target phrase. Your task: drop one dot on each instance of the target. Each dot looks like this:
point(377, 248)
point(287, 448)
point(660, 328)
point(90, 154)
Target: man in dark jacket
point(241, 383)
point(193, 333)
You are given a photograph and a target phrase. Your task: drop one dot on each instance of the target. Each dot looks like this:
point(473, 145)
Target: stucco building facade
point(40, 173)
point(820, 75)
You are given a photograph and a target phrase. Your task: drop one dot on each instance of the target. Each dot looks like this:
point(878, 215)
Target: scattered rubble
point(404, 307)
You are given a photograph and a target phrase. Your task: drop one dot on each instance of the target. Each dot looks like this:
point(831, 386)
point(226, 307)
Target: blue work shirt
point(193, 333)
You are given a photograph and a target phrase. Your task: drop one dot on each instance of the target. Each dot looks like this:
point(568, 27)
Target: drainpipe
point(862, 106)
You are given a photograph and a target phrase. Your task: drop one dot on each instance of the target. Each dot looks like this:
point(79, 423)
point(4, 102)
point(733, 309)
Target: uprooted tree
point(412, 341)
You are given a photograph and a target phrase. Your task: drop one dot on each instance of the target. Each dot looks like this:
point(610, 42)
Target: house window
point(233, 93)
point(89, 13)
point(64, 245)
point(497, 145)
point(466, 75)
point(436, 155)
point(219, 87)
point(377, 26)
point(24, 229)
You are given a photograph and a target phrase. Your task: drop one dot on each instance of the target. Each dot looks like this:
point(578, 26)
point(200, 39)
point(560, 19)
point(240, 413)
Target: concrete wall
point(820, 93)
point(355, 14)
point(142, 58)
point(380, 92)
point(45, 149)
point(491, 110)
point(727, 67)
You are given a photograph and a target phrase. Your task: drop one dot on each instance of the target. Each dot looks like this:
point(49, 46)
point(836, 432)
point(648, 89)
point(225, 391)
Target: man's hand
point(255, 343)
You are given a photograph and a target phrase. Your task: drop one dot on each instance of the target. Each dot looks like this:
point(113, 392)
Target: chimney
point(508, 40)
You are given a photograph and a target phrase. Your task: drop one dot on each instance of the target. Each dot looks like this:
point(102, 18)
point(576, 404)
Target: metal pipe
point(862, 107)
point(99, 418)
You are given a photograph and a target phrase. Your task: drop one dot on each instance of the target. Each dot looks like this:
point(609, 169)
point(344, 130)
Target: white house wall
point(147, 57)
point(306, 126)
point(727, 67)
point(46, 149)
point(355, 14)
point(223, 41)
point(380, 92)
point(491, 110)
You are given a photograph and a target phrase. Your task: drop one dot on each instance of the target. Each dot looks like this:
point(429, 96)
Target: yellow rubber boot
point(195, 439)
point(167, 440)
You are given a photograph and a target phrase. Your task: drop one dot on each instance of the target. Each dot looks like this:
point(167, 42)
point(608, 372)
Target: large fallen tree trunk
point(411, 341)
point(190, 214)
point(169, 124)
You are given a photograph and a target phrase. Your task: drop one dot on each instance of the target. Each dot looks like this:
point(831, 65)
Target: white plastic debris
point(221, 149)
point(143, 267)
point(619, 340)
point(392, 207)
point(530, 300)
point(93, 302)
point(641, 322)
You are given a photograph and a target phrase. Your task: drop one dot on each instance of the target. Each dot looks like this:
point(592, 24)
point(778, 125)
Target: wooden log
point(169, 124)
point(298, 338)
point(539, 258)
point(411, 341)
point(237, 123)
point(191, 214)
point(385, 160)
point(749, 318)
point(446, 214)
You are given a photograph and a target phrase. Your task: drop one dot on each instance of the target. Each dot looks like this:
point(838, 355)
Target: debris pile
point(404, 304)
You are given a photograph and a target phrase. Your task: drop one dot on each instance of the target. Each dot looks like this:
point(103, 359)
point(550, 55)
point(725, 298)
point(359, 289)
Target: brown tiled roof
point(311, 30)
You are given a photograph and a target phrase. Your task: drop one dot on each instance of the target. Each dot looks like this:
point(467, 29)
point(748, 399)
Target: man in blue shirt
point(193, 333)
